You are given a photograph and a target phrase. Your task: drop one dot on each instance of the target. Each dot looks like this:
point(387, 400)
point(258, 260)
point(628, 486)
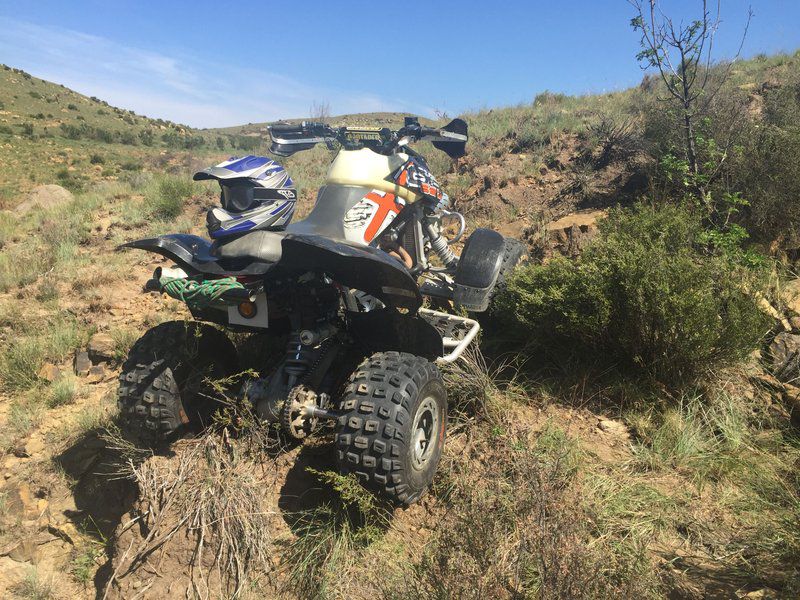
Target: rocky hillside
point(561, 479)
point(51, 134)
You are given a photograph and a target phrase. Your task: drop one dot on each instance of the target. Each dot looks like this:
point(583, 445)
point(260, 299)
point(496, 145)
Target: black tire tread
point(376, 405)
point(150, 397)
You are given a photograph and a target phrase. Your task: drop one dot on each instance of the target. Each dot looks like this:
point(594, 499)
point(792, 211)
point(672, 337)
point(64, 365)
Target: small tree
point(683, 56)
point(320, 111)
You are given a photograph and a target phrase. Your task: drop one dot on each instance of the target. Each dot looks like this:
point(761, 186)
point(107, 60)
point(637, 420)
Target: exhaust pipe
point(154, 284)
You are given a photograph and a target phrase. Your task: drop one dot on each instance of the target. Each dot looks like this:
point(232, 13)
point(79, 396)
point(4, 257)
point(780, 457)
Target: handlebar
point(289, 138)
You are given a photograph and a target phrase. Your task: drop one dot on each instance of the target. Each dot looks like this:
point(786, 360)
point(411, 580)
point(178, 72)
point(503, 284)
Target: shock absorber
point(440, 247)
point(298, 359)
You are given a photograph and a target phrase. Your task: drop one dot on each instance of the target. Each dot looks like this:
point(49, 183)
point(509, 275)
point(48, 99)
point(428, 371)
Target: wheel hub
point(424, 433)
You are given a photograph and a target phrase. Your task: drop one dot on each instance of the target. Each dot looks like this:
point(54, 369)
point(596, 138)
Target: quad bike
point(344, 288)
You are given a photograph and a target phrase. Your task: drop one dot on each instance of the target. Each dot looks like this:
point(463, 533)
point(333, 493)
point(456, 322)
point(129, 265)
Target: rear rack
point(457, 332)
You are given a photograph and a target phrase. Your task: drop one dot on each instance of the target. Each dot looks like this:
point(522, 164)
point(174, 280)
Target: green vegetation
point(166, 195)
point(62, 391)
point(36, 587)
point(647, 295)
point(332, 537)
point(24, 356)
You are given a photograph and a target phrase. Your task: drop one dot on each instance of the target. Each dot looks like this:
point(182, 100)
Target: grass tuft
point(167, 194)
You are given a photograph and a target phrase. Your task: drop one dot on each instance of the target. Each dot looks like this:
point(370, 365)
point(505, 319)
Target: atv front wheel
point(391, 432)
point(165, 382)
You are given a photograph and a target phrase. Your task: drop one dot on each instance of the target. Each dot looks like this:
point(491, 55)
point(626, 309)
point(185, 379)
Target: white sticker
point(260, 319)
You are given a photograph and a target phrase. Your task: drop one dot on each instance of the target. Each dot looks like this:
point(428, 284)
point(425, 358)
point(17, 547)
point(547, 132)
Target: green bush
point(767, 171)
point(646, 296)
point(167, 194)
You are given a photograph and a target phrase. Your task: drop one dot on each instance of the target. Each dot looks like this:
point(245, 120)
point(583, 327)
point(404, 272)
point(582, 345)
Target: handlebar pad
point(285, 128)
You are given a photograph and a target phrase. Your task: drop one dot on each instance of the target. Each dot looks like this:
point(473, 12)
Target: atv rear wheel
point(164, 386)
point(391, 432)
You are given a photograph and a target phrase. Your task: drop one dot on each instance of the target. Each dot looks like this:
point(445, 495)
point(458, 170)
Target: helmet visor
point(238, 197)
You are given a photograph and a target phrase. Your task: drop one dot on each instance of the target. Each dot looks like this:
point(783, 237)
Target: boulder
point(784, 354)
point(82, 363)
point(570, 234)
point(611, 426)
point(44, 196)
point(101, 348)
point(96, 374)
point(790, 294)
point(49, 372)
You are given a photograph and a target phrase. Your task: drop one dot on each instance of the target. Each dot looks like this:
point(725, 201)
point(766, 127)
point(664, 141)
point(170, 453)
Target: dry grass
point(516, 526)
point(215, 495)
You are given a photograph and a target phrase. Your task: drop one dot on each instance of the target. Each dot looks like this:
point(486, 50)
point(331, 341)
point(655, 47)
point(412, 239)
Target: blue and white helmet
point(256, 193)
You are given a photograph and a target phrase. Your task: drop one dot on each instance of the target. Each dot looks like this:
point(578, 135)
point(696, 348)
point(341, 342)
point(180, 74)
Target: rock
point(23, 502)
point(49, 372)
point(570, 234)
point(44, 196)
point(96, 373)
point(790, 294)
point(795, 323)
point(610, 426)
point(66, 531)
point(768, 381)
point(784, 352)
point(791, 398)
point(101, 348)
point(25, 551)
point(585, 221)
point(82, 363)
point(35, 447)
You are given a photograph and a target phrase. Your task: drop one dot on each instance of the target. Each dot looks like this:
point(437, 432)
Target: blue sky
point(213, 64)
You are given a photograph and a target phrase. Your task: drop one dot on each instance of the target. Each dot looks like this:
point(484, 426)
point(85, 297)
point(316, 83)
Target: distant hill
point(373, 119)
point(51, 134)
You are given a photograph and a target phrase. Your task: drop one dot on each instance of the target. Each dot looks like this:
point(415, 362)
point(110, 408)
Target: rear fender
point(386, 329)
point(193, 254)
point(360, 267)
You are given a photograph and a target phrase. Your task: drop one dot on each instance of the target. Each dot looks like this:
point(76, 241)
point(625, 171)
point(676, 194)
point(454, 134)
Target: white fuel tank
point(365, 168)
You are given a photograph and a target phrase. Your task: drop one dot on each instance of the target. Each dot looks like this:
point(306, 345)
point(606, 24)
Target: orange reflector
point(248, 310)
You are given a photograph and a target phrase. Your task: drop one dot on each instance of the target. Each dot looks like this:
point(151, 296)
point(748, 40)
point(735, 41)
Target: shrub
point(167, 195)
point(767, 171)
point(97, 159)
point(645, 296)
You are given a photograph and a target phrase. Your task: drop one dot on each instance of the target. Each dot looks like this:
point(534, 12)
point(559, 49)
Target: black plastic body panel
point(386, 329)
point(360, 267)
point(193, 255)
point(478, 268)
